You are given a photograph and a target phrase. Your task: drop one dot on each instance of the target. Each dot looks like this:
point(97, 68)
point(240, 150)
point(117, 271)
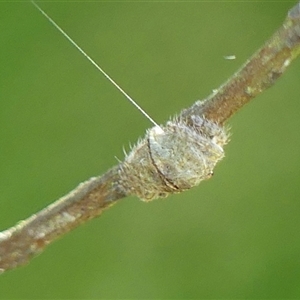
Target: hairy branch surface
point(156, 166)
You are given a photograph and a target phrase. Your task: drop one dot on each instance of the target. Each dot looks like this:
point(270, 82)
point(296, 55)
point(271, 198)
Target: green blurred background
point(234, 236)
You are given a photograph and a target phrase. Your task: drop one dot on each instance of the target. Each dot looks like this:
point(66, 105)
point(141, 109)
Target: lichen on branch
point(202, 123)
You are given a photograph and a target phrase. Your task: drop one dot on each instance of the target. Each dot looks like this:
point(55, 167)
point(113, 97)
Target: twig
point(200, 124)
point(29, 237)
point(259, 73)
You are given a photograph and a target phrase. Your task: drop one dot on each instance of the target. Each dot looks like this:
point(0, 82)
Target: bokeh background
point(61, 122)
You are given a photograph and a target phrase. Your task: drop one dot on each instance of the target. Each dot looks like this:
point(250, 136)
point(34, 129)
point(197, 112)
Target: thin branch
point(29, 237)
point(259, 73)
point(20, 243)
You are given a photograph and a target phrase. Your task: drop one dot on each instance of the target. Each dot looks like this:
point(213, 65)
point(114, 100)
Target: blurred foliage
point(235, 236)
